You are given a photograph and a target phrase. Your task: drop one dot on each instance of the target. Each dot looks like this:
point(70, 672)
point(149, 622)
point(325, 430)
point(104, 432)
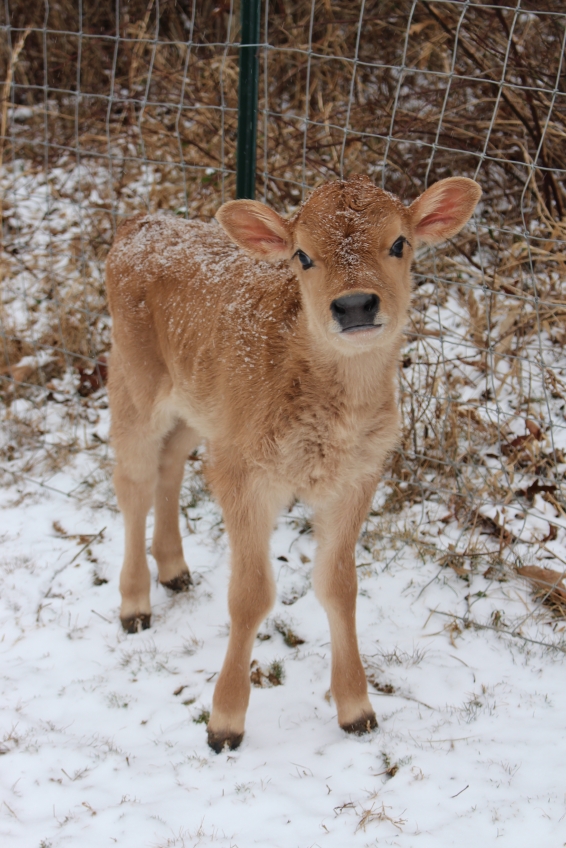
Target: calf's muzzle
point(355, 311)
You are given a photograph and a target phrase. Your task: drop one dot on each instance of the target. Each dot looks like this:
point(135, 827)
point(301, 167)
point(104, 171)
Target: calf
point(277, 342)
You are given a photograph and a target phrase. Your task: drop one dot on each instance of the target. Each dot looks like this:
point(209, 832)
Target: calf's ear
point(444, 208)
point(262, 233)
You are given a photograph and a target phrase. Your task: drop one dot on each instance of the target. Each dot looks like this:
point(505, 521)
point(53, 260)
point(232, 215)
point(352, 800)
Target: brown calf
point(276, 341)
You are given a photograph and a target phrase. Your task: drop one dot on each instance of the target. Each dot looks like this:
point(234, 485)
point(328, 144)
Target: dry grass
point(548, 586)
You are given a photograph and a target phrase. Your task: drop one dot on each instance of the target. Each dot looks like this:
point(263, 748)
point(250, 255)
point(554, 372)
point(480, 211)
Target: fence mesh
point(109, 108)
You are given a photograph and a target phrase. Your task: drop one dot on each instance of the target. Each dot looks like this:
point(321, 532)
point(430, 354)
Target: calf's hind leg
point(150, 471)
point(167, 547)
point(144, 457)
point(135, 479)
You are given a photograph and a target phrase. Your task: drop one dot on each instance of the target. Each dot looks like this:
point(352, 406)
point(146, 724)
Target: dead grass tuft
point(547, 586)
point(273, 675)
point(202, 717)
point(289, 636)
point(372, 814)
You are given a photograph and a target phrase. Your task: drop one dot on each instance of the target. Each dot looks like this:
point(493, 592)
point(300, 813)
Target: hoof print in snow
point(181, 583)
point(362, 725)
point(219, 741)
point(137, 623)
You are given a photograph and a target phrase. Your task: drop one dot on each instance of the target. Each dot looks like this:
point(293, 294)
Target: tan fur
point(220, 335)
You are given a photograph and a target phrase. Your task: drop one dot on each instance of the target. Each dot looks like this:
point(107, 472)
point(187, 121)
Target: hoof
point(136, 623)
point(181, 583)
point(219, 741)
point(362, 725)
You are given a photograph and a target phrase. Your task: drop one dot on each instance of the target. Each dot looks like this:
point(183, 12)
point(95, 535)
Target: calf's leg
point(249, 513)
point(135, 479)
point(167, 547)
point(337, 526)
point(137, 448)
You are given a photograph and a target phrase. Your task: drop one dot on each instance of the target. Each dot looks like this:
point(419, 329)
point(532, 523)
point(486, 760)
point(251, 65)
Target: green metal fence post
point(247, 100)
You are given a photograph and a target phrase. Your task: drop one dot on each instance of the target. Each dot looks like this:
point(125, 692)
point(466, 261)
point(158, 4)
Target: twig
point(101, 616)
point(55, 574)
point(88, 544)
point(477, 626)
point(460, 792)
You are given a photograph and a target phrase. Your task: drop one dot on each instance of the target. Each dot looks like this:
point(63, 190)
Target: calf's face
point(351, 245)
point(356, 282)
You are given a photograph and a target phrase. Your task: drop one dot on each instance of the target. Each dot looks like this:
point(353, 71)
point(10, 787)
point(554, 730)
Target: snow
point(99, 736)
point(100, 741)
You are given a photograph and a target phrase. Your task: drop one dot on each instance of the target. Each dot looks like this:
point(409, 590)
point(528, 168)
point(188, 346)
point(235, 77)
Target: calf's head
point(351, 245)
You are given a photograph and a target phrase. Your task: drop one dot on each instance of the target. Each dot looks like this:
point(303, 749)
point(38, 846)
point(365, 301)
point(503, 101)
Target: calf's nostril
point(372, 303)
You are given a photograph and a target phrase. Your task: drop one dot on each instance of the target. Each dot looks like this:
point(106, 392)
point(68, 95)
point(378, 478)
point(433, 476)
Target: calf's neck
point(276, 341)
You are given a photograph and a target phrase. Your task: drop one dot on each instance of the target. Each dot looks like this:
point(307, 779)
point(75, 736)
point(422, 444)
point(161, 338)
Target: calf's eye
point(397, 247)
point(305, 260)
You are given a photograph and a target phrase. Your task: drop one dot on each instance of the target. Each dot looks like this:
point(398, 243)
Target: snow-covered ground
point(102, 734)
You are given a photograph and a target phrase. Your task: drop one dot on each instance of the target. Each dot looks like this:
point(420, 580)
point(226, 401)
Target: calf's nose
point(355, 311)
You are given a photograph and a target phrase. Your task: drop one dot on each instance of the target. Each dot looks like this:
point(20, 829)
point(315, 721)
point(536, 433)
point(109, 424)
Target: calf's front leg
point(337, 526)
point(249, 513)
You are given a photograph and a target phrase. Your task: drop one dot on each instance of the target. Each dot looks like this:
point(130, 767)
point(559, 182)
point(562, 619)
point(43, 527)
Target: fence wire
point(110, 108)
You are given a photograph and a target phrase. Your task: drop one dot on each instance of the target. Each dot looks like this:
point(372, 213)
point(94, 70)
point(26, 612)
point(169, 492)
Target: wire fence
point(110, 108)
